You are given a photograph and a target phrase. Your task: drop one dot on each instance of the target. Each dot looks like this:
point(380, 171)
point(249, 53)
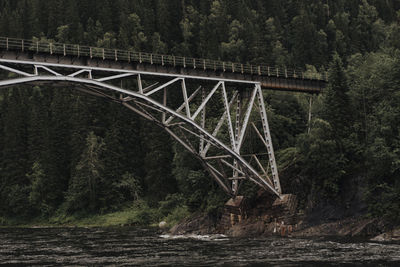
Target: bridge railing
point(149, 58)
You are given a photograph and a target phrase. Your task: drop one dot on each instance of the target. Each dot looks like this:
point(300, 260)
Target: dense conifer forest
point(64, 153)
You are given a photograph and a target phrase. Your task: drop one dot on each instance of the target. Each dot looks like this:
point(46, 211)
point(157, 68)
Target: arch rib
point(252, 174)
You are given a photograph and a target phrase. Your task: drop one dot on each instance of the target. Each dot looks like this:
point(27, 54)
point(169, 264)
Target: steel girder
point(219, 155)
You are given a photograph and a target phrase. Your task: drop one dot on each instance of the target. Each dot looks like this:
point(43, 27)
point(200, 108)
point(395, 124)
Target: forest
point(63, 153)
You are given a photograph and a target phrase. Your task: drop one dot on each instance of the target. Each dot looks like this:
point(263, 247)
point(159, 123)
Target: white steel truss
point(218, 144)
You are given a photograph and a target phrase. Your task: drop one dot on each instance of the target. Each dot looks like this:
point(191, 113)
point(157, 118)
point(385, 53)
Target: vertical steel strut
point(268, 140)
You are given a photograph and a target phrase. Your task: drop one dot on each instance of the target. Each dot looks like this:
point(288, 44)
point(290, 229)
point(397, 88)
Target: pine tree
point(123, 155)
point(235, 47)
point(158, 179)
point(94, 32)
point(55, 12)
point(104, 15)
point(40, 195)
point(158, 46)
point(87, 179)
point(363, 34)
point(302, 39)
point(336, 103)
point(37, 127)
point(3, 180)
point(131, 33)
point(59, 152)
point(15, 164)
point(74, 24)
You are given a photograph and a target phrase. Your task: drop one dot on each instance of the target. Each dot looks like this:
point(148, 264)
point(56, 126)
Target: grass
point(139, 214)
point(178, 214)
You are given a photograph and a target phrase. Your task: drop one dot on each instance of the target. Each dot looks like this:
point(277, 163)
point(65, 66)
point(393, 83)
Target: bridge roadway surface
point(53, 54)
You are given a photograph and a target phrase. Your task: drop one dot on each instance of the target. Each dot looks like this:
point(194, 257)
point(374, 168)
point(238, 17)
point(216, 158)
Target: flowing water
point(147, 247)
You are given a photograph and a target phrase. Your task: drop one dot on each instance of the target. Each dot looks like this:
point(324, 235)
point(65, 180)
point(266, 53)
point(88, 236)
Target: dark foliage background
point(65, 153)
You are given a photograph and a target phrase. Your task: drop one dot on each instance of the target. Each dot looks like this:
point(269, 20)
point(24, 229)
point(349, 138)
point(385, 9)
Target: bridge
point(233, 88)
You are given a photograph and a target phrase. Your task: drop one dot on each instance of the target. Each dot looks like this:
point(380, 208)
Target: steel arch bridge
point(238, 95)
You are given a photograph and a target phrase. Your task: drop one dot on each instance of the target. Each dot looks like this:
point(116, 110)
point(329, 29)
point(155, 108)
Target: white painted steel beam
point(162, 86)
point(79, 72)
point(219, 124)
point(118, 76)
point(202, 122)
point(193, 95)
point(39, 66)
point(268, 141)
point(246, 120)
point(144, 105)
point(23, 73)
point(208, 97)
point(228, 116)
point(117, 70)
point(185, 98)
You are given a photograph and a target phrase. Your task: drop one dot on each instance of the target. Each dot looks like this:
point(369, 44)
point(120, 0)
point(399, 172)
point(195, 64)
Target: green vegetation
point(138, 214)
point(69, 158)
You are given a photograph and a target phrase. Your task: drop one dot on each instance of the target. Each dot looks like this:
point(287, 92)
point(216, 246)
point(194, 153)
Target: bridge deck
point(272, 78)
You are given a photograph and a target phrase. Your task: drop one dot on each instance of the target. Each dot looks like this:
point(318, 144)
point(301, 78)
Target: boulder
point(388, 236)
point(162, 225)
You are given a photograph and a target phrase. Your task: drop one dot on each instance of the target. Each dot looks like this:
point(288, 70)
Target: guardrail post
point(65, 52)
point(285, 72)
point(215, 66)
point(151, 59)
point(90, 52)
point(194, 63)
point(277, 72)
point(259, 70)
point(78, 50)
point(22, 44)
point(241, 66)
point(251, 69)
point(223, 66)
point(104, 55)
point(129, 56)
point(51, 48)
point(140, 57)
point(233, 67)
point(37, 47)
point(268, 71)
point(162, 60)
point(204, 64)
point(173, 59)
point(184, 62)
point(115, 54)
point(7, 43)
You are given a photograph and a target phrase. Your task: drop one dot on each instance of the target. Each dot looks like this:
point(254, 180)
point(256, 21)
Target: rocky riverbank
point(354, 227)
point(280, 218)
point(390, 236)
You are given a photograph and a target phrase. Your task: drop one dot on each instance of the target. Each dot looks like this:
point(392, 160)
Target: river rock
point(388, 236)
point(162, 224)
point(199, 223)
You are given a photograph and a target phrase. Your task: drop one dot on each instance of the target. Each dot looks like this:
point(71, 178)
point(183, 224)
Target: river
point(148, 247)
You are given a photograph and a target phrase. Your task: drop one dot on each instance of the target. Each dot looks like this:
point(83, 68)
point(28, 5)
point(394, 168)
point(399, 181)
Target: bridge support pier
point(268, 211)
point(235, 211)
